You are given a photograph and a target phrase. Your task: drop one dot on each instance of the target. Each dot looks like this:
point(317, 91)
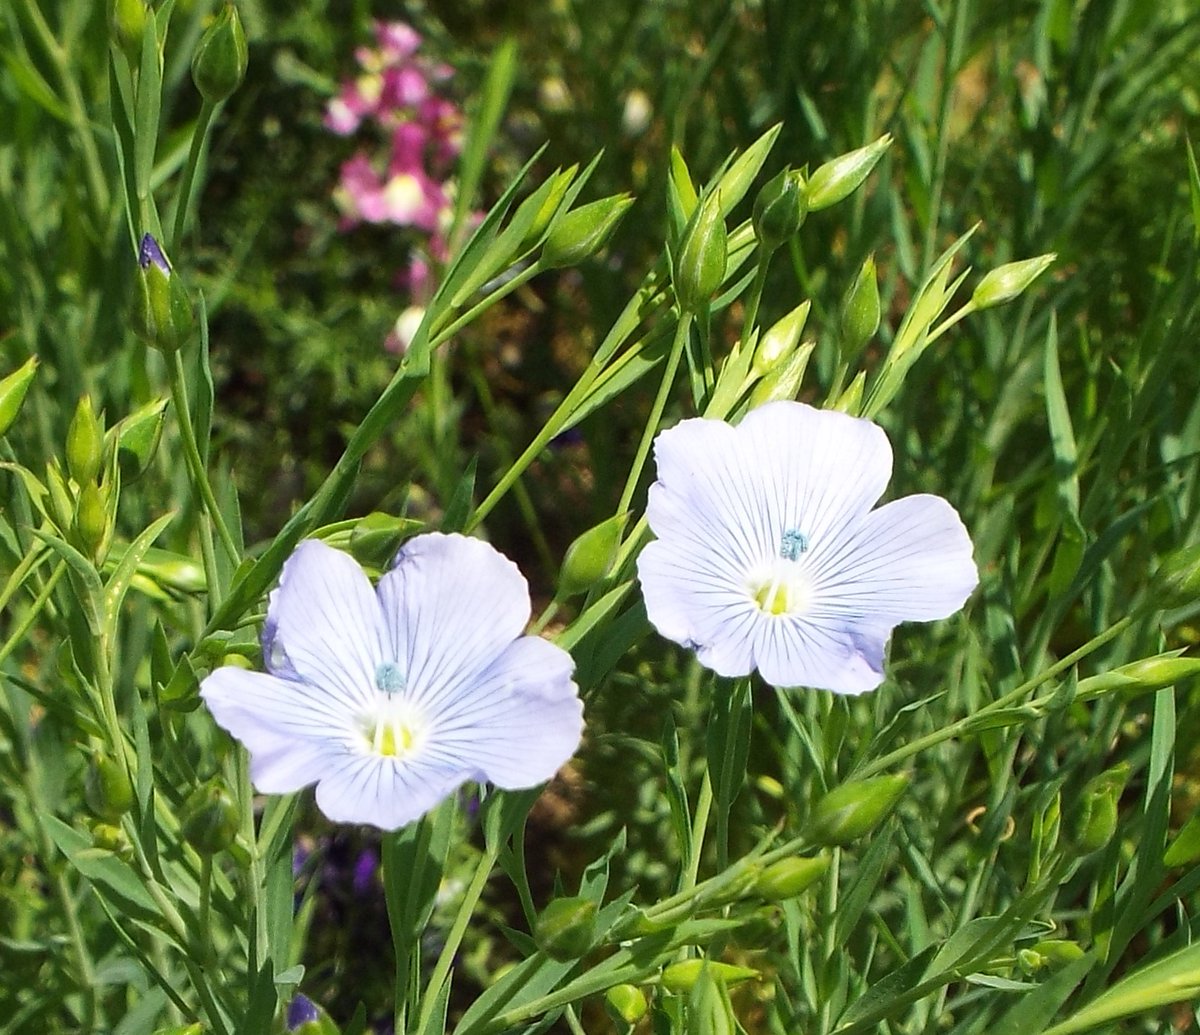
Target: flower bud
point(111, 838)
point(137, 438)
point(304, 1017)
point(126, 23)
point(779, 209)
point(583, 231)
point(1094, 819)
point(838, 179)
point(1006, 282)
point(682, 977)
point(547, 208)
point(107, 788)
point(376, 538)
point(590, 557)
point(780, 340)
point(85, 443)
point(860, 311)
point(700, 262)
point(566, 928)
point(1177, 581)
point(59, 505)
point(789, 878)
point(783, 381)
point(92, 529)
point(1056, 953)
point(856, 808)
point(219, 64)
point(709, 1011)
point(12, 392)
point(625, 1003)
point(1185, 849)
point(162, 311)
point(1140, 677)
point(209, 818)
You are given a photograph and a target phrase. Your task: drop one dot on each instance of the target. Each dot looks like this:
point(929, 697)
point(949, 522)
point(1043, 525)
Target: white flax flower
point(768, 555)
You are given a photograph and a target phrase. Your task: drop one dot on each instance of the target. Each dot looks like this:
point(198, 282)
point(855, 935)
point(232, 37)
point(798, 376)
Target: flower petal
point(384, 792)
point(291, 730)
point(326, 619)
point(452, 604)
point(821, 652)
point(517, 723)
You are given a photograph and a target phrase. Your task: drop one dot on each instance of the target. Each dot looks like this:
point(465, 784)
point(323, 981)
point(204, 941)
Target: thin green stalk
point(26, 623)
point(206, 899)
point(682, 330)
point(830, 936)
point(950, 321)
point(184, 200)
point(687, 880)
point(485, 303)
point(754, 298)
point(441, 970)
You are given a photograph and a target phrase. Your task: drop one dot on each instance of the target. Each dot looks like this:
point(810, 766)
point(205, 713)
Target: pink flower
point(404, 88)
point(397, 40)
point(357, 100)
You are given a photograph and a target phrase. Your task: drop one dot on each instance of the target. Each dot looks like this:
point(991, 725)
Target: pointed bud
point(860, 311)
point(779, 209)
point(838, 179)
point(92, 529)
point(783, 381)
point(209, 818)
point(566, 928)
point(12, 392)
point(856, 808)
point(703, 252)
point(780, 340)
point(789, 878)
point(591, 557)
point(1006, 282)
point(107, 788)
point(137, 438)
point(162, 311)
point(580, 233)
point(85, 443)
point(127, 22)
point(1139, 677)
point(626, 1004)
point(682, 977)
point(219, 64)
point(1094, 819)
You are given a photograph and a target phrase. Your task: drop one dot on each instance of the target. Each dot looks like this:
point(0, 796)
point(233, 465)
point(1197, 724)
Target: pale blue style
point(768, 555)
point(389, 698)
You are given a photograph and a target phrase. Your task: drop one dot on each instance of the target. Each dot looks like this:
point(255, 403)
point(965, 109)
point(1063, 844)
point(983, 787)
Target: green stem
point(950, 321)
point(660, 403)
point(507, 288)
point(830, 938)
point(755, 296)
point(26, 623)
point(184, 201)
point(687, 880)
point(441, 970)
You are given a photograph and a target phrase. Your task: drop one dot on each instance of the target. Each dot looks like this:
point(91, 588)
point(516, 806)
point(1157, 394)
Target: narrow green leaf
point(118, 583)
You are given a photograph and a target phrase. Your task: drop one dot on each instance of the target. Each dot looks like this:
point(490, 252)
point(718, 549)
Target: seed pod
point(107, 788)
point(1006, 282)
point(682, 977)
point(626, 1003)
point(219, 64)
point(790, 877)
point(91, 521)
point(781, 339)
point(580, 233)
point(566, 928)
point(838, 179)
point(85, 443)
point(12, 392)
point(210, 818)
point(860, 311)
point(590, 557)
point(779, 209)
point(848, 812)
point(699, 266)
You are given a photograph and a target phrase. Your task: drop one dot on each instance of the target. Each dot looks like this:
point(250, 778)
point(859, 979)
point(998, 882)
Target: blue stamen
point(792, 544)
point(389, 678)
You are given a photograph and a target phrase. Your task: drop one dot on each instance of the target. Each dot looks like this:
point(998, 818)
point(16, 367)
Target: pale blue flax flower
point(389, 698)
point(768, 555)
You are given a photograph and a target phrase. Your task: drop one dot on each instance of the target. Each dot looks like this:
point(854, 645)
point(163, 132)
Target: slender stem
point(755, 296)
point(509, 286)
point(545, 617)
point(950, 321)
point(441, 970)
point(184, 201)
point(830, 937)
point(191, 456)
point(660, 403)
point(206, 898)
point(687, 880)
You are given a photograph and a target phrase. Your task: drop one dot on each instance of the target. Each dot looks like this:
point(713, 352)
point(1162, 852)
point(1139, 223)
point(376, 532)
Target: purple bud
point(150, 252)
point(301, 1010)
point(364, 870)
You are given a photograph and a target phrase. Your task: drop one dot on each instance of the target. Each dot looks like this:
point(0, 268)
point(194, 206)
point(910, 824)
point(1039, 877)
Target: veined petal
point(326, 618)
point(843, 657)
point(291, 730)
point(385, 792)
point(452, 604)
point(517, 722)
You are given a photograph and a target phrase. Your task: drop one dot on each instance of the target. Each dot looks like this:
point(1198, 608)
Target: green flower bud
point(111, 838)
point(783, 381)
point(625, 1003)
point(860, 311)
point(219, 64)
point(137, 437)
point(709, 1011)
point(1139, 677)
point(1006, 282)
point(1185, 849)
point(210, 818)
point(107, 788)
point(12, 392)
point(1056, 953)
point(1094, 818)
point(580, 233)
point(59, 505)
point(548, 208)
point(789, 878)
point(682, 977)
point(838, 179)
point(304, 1017)
point(590, 557)
point(127, 22)
point(566, 928)
point(779, 343)
point(1177, 581)
point(85, 443)
point(700, 262)
point(856, 808)
point(162, 311)
point(92, 528)
point(779, 209)
point(376, 537)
